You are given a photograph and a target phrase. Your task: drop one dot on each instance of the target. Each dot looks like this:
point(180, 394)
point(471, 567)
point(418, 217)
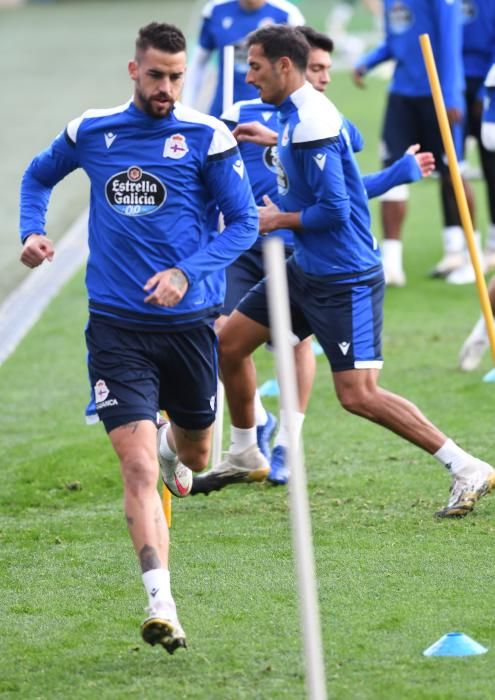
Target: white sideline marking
point(23, 307)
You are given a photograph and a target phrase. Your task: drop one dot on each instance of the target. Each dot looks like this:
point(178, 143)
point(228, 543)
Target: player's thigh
point(241, 276)
point(188, 372)
point(123, 377)
point(347, 320)
point(400, 127)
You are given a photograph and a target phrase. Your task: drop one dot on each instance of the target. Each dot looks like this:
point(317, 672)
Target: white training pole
point(280, 327)
point(228, 99)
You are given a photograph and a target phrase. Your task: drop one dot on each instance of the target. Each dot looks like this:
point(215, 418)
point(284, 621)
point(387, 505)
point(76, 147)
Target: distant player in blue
point(156, 170)
point(477, 342)
point(248, 269)
point(335, 276)
point(477, 51)
point(410, 115)
point(228, 22)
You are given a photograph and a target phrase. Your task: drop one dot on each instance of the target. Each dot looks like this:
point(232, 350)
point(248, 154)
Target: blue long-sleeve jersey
point(405, 20)
point(226, 22)
point(154, 186)
point(319, 177)
point(478, 17)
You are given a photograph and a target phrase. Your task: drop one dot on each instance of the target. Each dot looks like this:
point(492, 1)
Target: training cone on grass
point(269, 388)
point(455, 644)
point(490, 376)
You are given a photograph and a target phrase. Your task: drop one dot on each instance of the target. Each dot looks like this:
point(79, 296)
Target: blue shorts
point(411, 120)
point(135, 373)
point(243, 274)
point(346, 318)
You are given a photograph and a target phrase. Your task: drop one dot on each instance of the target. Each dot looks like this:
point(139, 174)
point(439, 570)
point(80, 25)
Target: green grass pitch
point(391, 579)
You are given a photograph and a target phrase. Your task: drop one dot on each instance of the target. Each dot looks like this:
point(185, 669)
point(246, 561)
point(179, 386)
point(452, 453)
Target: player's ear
point(285, 63)
point(132, 68)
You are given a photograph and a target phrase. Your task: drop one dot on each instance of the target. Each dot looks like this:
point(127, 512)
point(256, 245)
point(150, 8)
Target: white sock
point(165, 449)
point(241, 439)
point(391, 250)
point(260, 414)
point(282, 437)
point(479, 330)
point(453, 239)
point(490, 238)
point(157, 585)
point(453, 457)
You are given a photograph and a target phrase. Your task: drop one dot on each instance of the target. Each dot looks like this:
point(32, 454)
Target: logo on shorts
point(101, 395)
point(400, 18)
point(213, 401)
point(134, 192)
point(344, 347)
point(270, 158)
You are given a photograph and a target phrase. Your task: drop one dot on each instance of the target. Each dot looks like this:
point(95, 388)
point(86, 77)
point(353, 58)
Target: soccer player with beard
point(157, 171)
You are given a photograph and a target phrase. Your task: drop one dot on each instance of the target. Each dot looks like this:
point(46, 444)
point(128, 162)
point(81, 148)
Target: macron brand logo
point(344, 347)
point(266, 115)
point(239, 168)
point(320, 159)
point(110, 138)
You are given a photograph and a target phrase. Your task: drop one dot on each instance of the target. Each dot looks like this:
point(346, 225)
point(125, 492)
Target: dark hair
point(161, 36)
point(316, 40)
point(279, 40)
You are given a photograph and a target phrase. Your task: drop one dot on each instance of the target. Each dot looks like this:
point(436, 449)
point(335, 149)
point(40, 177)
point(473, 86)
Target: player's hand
point(357, 76)
point(169, 287)
point(255, 133)
point(36, 249)
point(268, 216)
point(425, 160)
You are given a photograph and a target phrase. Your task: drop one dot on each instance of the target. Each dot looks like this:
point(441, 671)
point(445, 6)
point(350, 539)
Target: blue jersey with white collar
point(318, 176)
point(226, 22)
point(260, 161)
point(154, 185)
point(405, 20)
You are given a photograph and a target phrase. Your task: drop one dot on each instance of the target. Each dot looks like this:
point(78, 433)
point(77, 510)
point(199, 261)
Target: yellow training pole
point(460, 195)
point(167, 505)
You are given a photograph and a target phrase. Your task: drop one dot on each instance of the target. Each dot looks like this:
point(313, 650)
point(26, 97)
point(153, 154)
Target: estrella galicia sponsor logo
point(282, 179)
point(469, 11)
point(270, 158)
point(134, 192)
point(400, 18)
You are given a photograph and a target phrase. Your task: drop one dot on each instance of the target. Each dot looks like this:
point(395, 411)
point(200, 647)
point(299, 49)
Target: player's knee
point(355, 400)
point(139, 473)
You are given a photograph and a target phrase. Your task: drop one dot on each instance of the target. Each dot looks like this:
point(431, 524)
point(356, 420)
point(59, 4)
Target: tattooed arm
point(166, 288)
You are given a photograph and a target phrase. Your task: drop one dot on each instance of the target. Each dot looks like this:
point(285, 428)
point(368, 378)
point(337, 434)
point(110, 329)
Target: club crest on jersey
point(175, 147)
point(135, 192)
point(400, 17)
point(227, 22)
point(270, 158)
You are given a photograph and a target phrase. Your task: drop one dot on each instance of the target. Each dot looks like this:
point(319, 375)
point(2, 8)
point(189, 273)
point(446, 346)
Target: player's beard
point(149, 104)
